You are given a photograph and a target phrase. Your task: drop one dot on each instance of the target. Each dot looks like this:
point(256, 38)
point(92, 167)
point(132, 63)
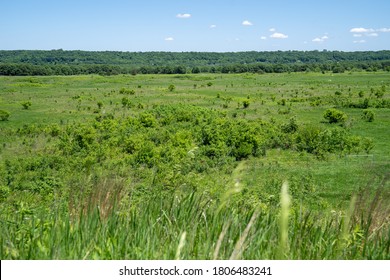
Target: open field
point(126, 166)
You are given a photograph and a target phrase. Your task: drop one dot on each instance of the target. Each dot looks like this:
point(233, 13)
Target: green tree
point(195, 70)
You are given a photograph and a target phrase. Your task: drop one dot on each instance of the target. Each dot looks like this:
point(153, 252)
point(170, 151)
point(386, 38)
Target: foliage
point(80, 184)
point(335, 116)
point(291, 126)
point(60, 62)
point(171, 88)
point(368, 115)
point(127, 91)
point(4, 115)
point(212, 231)
point(26, 104)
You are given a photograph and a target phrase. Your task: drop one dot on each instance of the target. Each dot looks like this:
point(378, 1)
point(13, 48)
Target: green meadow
point(191, 166)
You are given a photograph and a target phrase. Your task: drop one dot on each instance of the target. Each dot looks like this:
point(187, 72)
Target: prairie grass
point(90, 172)
point(190, 227)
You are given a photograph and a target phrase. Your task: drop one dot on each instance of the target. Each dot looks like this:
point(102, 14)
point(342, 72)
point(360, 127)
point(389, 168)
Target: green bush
point(26, 104)
point(335, 116)
point(4, 192)
point(368, 115)
point(379, 93)
point(126, 103)
point(291, 126)
point(4, 115)
point(171, 88)
point(127, 91)
point(246, 103)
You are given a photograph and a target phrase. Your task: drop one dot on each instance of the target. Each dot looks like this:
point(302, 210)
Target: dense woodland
point(60, 62)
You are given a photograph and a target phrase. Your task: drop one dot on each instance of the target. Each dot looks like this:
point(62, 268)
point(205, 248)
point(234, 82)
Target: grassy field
point(192, 166)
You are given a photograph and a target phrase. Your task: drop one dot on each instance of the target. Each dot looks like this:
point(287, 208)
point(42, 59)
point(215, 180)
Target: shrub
point(127, 91)
point(366, 103)
point(147, 120)
point(308, 138)
point(282, 102)
point(335, 116)
point(4, 115)
point(291, 126)
point(379, 93)
point(26, 104)
point(245, 103)
point(171, 88)
point(368, 115)
point(367, 144)
point(4, 192)
point(126, 102)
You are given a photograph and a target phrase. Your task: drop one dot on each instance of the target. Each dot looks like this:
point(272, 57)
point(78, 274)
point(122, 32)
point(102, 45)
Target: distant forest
point(60, 62)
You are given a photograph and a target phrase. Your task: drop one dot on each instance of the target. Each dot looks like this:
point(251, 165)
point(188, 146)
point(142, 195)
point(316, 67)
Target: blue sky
point(195, 25)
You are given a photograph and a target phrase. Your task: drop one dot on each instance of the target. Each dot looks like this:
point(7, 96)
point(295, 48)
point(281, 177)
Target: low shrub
point(4, 115)
point(335, 116)
point(368, 115)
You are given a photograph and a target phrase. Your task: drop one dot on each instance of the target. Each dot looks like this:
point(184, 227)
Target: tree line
point(59, 62)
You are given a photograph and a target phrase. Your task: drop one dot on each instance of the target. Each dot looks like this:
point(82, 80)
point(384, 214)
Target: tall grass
point(192, 227)
point(285, 202)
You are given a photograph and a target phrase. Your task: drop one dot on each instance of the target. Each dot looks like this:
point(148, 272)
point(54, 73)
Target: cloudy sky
point(195, 25)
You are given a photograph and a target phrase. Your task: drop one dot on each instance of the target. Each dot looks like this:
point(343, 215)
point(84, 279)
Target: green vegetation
point(4, 115)
point(59, 62)
point(26, 104)
point(368, 115)
point(335, 116)
point(135, 166)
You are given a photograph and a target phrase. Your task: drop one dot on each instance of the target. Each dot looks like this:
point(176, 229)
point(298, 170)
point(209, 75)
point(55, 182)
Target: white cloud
point(368, 31)
point(272, 29)
point(169, 39)
point(320, 39)
point(361, 30)
point(277, 35)
point(183, 15)
point(247, 23)
point(263, 38)
point(383, 30)
point(213, 26)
